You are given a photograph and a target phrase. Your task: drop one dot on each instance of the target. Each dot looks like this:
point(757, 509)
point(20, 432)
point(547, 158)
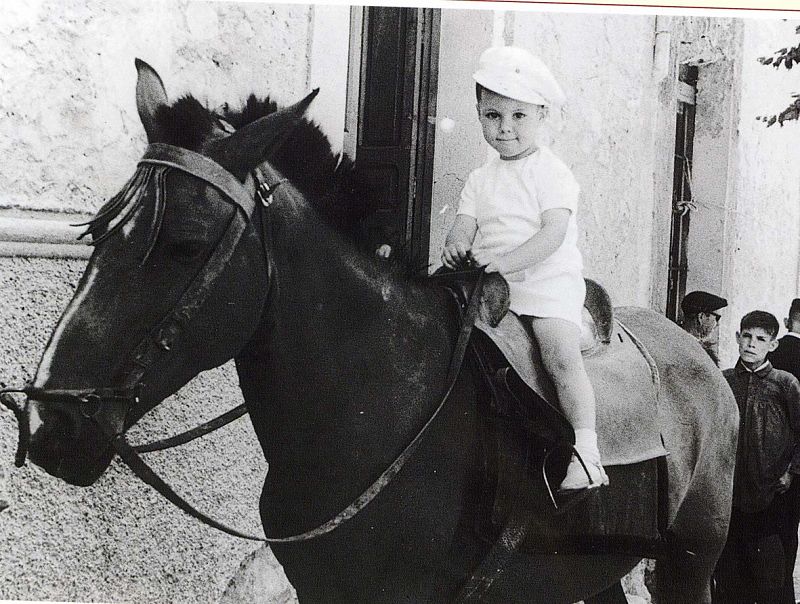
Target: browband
point(204, 168)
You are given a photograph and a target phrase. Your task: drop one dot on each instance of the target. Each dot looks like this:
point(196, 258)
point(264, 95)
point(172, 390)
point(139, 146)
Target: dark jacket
point(769, 433)
point(787, 355)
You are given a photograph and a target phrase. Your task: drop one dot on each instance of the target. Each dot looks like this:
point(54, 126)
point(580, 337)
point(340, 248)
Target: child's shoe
point(578, 479)
point(593, 476)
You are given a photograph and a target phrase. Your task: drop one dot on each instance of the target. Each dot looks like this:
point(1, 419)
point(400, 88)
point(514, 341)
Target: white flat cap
point(516, 73)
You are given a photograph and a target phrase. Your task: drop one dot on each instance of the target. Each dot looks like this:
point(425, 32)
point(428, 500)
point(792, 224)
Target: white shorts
point(559, 296)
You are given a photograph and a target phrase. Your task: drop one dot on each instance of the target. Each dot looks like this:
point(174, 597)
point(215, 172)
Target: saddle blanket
point(625, 386)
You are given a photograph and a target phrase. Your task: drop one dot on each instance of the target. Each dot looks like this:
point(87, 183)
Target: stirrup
point(565, 500)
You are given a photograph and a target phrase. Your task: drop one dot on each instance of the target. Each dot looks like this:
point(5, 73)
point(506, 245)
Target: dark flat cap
point(699, 301)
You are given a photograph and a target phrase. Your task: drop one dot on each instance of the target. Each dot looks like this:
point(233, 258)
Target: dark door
point(395, 123)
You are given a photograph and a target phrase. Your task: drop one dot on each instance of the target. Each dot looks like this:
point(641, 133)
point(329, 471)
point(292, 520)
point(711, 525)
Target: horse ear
point(150, 95)
point(250, 145)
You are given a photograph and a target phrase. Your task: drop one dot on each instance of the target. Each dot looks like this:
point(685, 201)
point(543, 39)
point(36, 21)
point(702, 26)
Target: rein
point(93, 403)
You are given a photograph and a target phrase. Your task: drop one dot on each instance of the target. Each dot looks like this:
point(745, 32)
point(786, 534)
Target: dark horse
point(342, 361)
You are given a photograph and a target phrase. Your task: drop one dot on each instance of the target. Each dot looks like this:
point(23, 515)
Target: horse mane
point(330, 181)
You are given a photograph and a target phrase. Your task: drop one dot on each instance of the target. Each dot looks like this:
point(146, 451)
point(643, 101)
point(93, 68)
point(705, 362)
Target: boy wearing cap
point(522, 206)
point(757, 562)
point(701, 319)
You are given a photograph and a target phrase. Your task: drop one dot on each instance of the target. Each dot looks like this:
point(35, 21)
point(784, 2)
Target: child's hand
point(491, 262)
point(456, 255)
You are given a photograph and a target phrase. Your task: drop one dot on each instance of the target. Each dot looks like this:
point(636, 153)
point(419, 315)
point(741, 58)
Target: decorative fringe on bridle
point(125, 204)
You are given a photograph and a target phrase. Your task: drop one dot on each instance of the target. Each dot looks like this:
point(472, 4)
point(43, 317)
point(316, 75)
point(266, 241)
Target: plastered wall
point(763, 235)
point(618, 137)
point(745, 228)
point(68, 81)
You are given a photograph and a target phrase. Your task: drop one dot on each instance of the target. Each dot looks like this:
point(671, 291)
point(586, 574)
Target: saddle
point(527, 442)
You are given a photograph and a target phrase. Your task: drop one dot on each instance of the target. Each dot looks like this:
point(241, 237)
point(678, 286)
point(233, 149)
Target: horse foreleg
point(684, 579)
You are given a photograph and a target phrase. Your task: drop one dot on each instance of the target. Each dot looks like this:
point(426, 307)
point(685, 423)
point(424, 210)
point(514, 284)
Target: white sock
point(586, 442)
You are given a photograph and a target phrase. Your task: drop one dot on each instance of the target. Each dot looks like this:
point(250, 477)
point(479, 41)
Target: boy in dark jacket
point(755, 564)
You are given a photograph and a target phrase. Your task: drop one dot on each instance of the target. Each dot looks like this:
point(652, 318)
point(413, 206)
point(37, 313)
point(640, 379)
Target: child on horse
point(523, 207)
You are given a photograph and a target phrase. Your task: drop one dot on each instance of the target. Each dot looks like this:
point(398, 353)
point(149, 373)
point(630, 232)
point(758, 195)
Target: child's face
point(509, 126)
point(754, 344)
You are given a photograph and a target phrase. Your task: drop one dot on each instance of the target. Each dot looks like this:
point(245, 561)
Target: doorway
point(391, 94)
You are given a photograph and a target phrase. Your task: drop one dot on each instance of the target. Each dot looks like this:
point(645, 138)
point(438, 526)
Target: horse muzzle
point(69, 432)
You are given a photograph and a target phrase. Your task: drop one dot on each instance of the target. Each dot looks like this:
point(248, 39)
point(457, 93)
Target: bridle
point(108, 407)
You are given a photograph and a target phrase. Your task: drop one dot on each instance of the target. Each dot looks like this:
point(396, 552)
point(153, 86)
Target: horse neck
point(353, 359)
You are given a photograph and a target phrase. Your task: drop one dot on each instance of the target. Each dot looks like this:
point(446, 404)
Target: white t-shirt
point(507, 199)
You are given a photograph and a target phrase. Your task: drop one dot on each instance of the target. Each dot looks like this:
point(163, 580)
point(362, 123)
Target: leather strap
point(162, 337)
point(197, 432)
point(130, 455)
point(23, 423)
point(205, 169)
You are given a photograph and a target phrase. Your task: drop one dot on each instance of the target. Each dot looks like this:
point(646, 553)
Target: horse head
point(176, 284)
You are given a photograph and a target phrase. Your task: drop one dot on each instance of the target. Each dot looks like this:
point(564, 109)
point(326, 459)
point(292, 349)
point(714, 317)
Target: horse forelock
point(118, 210)
point(186, 123)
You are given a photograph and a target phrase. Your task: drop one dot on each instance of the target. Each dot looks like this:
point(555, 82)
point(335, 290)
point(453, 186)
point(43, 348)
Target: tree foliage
point(788, 57)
